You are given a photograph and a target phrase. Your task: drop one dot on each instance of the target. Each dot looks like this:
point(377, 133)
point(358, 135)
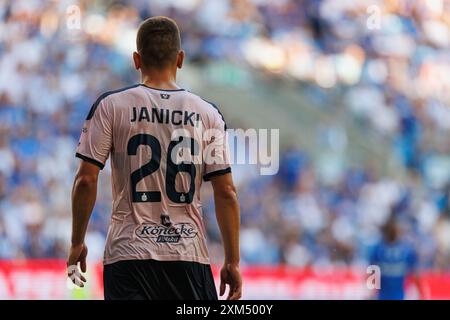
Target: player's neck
point(160, 79)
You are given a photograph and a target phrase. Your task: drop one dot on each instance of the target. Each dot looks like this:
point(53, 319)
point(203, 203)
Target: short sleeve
point(96, 136)
point(216, 155)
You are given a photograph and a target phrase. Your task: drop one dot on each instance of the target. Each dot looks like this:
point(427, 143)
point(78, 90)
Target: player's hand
point(77, 253)
point(231, 276)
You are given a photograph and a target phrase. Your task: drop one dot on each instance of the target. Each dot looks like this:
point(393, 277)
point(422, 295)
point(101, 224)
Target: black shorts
point(158, 280)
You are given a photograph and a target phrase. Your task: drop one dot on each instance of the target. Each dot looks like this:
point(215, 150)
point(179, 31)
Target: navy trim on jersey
point(103, 96)
point(215, 107)
point(168, 90)
point(208, 176)
point(90, 160)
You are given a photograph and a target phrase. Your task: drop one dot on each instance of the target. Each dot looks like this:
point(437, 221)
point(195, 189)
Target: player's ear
point(137, 60)
point(180, 59)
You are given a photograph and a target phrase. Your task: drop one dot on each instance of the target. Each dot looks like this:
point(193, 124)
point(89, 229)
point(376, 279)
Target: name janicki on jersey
point(165, 116)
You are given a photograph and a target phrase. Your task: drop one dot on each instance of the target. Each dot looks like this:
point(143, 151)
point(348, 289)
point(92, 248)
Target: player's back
point(157, 140)
point(396, 260)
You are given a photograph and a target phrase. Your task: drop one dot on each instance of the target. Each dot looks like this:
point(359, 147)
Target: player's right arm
point(228, 218)
point(93, 149)
point(84, 193)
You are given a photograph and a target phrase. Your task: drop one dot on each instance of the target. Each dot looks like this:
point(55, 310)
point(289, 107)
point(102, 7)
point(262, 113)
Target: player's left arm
point(419, 285)
point(415, 273)
point(84, 194)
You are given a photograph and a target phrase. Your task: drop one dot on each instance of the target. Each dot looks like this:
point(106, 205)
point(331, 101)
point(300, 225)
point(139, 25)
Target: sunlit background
point(360, 91)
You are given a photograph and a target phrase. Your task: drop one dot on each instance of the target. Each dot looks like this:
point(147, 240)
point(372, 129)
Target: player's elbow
point(85, 180)
point(226, 192)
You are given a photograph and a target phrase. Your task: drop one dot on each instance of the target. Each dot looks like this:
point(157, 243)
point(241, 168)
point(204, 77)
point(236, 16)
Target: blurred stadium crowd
point(393, 79)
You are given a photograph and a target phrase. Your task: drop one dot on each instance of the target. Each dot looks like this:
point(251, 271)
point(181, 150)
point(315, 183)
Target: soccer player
point(154, 131)
point(397, 260)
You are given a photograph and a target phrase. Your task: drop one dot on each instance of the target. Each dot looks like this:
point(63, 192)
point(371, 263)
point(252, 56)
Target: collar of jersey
point(165, 90)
